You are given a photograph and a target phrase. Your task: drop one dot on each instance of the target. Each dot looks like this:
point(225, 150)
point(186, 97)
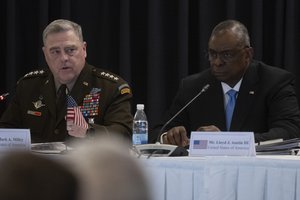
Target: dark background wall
point(151, 43)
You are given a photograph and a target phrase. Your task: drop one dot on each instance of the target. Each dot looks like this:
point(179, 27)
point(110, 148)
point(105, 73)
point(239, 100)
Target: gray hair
point(62, 25)
point(108, 171)
point(236, 26)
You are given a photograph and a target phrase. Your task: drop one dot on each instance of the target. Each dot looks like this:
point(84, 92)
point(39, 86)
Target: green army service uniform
point(34, 107)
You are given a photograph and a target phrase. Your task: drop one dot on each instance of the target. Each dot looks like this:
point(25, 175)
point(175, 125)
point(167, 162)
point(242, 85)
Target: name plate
point(15, 139)
point(222, 144)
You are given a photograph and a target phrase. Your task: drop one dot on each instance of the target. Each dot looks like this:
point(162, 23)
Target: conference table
point(223, 177)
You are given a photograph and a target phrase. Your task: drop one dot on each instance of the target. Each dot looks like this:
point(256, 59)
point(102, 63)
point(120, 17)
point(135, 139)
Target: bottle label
point(136, 139)
point(140, 132)
point(144, 138)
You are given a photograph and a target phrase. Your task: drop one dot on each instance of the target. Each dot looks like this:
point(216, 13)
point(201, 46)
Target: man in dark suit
point(99, 101)
point(265, 99)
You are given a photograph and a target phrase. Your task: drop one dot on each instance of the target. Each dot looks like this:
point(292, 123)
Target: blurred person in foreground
point(265, 98)
point(98, 101)
point(106, 170)
point(27, 176)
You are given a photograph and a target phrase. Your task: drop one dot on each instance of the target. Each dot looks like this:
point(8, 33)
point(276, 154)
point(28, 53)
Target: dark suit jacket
point(266, 104)
point(46, 125)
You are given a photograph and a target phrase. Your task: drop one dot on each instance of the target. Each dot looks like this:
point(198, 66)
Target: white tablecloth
point(224, 178)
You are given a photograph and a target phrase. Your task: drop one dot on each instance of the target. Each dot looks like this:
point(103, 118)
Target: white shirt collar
point(226, 87)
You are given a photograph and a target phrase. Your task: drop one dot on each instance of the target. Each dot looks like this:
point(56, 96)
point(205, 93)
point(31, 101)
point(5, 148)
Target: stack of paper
point(285, 147)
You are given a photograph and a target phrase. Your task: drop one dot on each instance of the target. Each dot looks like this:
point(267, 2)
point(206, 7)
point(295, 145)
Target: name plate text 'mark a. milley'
point(15, 139)
point(222, 144)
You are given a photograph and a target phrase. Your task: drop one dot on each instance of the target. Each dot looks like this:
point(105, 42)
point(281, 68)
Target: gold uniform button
point(56, 131)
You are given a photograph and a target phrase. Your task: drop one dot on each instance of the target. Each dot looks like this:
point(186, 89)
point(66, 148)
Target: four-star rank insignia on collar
point(36, 72)
point(108, 75)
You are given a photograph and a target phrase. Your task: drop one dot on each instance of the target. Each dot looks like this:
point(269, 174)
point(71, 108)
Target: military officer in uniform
point(102, 97)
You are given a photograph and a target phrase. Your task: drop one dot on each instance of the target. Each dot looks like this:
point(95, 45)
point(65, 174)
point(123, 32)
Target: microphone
point(186, 105)
point(3, 96)
point(165, 150)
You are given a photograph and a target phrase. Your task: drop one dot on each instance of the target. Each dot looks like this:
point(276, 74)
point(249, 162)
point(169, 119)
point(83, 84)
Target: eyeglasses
point(228, 55)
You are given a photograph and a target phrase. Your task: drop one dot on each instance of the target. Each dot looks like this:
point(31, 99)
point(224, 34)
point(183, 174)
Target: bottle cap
point(140, 106)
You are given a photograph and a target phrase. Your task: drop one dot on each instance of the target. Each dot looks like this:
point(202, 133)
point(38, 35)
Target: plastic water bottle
point(140, 126)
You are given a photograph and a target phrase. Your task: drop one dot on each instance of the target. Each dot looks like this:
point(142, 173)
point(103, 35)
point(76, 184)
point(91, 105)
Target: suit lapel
point(219, 106)
point(246, 98)
point(214, 103)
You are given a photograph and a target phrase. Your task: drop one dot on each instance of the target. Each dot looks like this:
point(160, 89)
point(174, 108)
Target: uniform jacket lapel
point(48, 92)
point(82, 86)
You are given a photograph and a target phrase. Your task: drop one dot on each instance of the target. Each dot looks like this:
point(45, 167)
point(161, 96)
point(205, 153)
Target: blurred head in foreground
point(107, 171)
point(29, 176)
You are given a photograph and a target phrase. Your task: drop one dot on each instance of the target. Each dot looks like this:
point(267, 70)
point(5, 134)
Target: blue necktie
point(230, 107)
